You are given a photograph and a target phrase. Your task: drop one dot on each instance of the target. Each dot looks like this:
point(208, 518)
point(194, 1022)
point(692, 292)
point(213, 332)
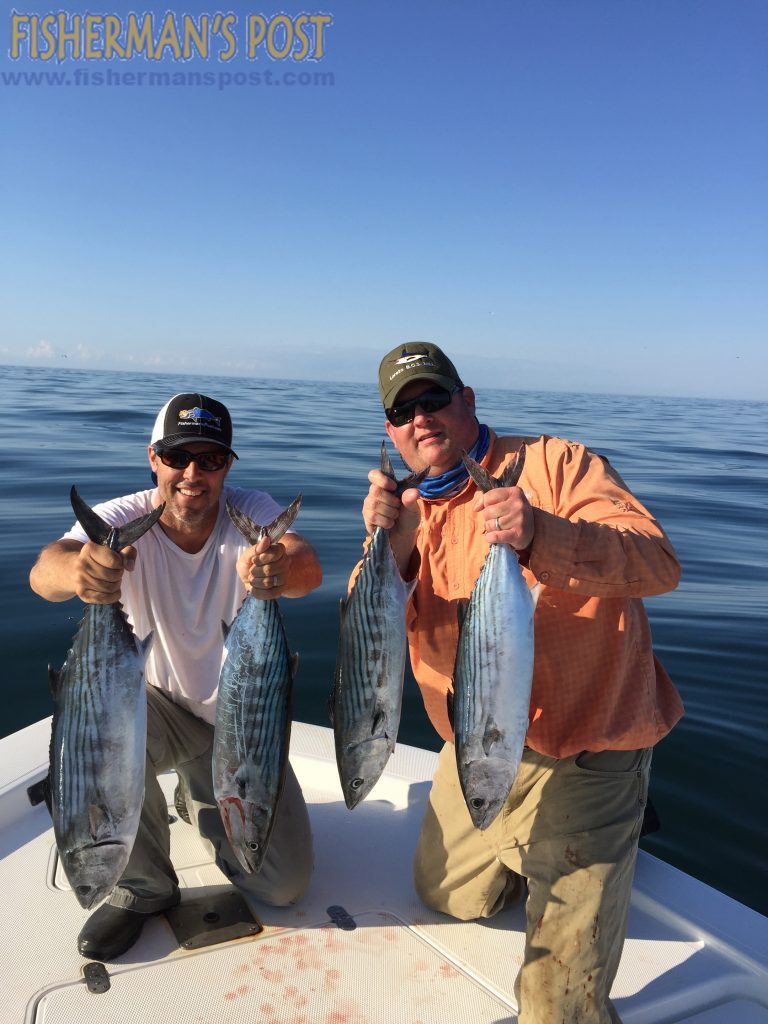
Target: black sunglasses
point(178, 458)
point(428, 402)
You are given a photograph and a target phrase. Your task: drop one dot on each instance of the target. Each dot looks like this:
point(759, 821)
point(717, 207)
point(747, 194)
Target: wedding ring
point(497, 524)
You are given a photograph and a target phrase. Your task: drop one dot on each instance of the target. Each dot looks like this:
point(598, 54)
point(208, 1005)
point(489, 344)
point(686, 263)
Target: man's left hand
point(507, 517)
point(263, 568)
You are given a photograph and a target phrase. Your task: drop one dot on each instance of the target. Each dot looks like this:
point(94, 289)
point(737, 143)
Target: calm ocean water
point(701, 466)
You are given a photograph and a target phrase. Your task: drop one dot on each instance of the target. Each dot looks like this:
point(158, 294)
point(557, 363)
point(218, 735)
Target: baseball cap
point(418, 360)
point(193, 417)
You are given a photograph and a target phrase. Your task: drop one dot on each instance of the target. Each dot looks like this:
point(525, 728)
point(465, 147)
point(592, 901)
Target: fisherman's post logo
point(198, 417)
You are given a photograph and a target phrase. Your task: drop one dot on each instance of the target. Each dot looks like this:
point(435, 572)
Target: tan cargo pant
point(570, 828)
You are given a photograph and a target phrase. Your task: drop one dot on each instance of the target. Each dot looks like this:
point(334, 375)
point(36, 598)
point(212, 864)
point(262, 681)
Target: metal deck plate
point(212, 918)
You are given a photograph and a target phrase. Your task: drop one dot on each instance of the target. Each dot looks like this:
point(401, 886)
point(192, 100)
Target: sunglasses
point(428, 402)
point(177, 458)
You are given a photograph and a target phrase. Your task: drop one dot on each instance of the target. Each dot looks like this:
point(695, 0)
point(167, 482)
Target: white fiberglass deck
point(692, 954)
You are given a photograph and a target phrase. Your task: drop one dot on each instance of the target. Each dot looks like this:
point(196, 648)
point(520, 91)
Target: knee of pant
point(436, 898)
point(288, 891)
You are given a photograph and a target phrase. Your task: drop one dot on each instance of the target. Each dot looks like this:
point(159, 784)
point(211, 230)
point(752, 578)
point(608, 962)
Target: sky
point(563, 194)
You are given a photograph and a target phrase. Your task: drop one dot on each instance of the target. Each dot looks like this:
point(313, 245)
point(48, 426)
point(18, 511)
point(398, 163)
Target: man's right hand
point(98, 572)
point(401, 516)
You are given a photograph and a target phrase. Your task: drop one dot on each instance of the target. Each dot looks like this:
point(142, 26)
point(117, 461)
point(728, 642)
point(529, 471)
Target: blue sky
point(564, 194)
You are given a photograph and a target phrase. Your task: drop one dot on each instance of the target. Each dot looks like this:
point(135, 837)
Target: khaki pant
point(570, 828)
point(179, 740)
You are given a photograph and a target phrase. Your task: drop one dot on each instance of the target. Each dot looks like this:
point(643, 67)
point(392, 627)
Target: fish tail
point(253, 532)
point(101, 532)
point(412, 480)
point(485, 481)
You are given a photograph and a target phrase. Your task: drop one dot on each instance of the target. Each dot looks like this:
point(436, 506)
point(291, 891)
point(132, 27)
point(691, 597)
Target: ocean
point(700, 465)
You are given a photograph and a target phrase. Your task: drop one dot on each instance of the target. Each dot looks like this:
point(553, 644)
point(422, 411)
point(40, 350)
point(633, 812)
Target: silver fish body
point(253, 714)
point(98, 750)
point(492, 677)
point(366, 701)
point(98, 741)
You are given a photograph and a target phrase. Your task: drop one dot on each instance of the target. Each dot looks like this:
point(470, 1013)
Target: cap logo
point(198, 417)
point(408, 362)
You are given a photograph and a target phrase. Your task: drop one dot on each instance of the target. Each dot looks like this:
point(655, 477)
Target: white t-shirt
point(182, 598)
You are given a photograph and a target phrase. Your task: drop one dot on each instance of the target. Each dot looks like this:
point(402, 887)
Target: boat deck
point(692, 954)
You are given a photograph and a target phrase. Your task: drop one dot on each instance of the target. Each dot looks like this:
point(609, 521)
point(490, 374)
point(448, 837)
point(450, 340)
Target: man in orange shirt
point(600, 700)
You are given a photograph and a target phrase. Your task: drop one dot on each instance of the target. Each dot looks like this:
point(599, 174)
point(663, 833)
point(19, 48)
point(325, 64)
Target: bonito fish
point(98, 743)
point(493, 671)
point(253, 712)
point(370, 665)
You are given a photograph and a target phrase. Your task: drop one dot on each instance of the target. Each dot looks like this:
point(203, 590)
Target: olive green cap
point(418, 360)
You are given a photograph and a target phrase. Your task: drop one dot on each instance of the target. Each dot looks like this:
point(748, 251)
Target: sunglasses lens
point(174, 460)
point(429, 402)
point(209, 462)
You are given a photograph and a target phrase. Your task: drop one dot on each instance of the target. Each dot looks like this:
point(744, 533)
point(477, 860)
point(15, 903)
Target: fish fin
point(485, 481)
point(412, 480)
point(253, 532)
point(450, 705)
point(101, 532)
point(479, 474)
point(491, 736)
point(146, 643)
point(293, 664)
point(281, 523)
point(385, 462)
point(342, 610)
point(225, 629)
point(54, 679)
point(513, 471)
point(461, 611)
point(535, 593)
point(97, 529)
point(98, 821)
point(131, 532)
point(379, 722)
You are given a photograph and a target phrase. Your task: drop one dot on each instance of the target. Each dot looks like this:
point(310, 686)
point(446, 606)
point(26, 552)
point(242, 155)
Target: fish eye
point(477, 803)
point(356, 783)
point(83, 889)
point(253, 847)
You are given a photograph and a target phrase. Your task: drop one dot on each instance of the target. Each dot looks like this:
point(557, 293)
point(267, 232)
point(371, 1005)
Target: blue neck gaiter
point(452, 481)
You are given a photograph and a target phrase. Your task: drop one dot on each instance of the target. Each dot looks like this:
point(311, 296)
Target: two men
point(182, 579)
point(600, 700)
point(567, 836)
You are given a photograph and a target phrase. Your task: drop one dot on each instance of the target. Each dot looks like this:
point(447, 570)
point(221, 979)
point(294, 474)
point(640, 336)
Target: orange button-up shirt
point(596, 552)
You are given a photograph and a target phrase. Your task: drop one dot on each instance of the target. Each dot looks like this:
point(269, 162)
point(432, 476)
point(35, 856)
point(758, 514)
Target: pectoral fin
point(491, 736)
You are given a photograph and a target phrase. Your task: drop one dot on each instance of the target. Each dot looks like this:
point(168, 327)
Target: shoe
point(109, 932)
point(180, 803)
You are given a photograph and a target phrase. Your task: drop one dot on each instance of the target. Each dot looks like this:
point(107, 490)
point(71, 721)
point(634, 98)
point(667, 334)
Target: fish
point(493, 670)
point(367, 695)
point(253, 711)
point(99, 732)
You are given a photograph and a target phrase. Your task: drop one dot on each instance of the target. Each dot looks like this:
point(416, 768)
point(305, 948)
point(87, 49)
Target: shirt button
point(544, 576)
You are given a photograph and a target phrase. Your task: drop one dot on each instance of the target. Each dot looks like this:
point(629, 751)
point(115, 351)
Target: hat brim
point(178, 440)
point(449, 383)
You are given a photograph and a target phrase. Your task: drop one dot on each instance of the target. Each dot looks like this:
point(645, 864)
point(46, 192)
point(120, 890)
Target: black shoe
point(180, 803)
point(109, 932)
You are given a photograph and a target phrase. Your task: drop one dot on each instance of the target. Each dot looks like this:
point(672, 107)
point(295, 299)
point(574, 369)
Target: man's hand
point(401, 516)
point(264, 570)
point(507, 517)
point(97, 572)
